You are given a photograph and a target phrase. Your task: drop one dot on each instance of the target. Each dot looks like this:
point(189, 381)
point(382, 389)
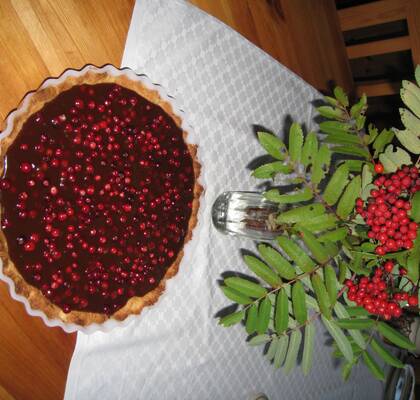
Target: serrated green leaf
point(281, 314)
point(415, 207)
point(351, 150)
point(292, 351)
point(299, 303)
point(235, 296)
point(232, 319)
point(335, 127)
point(275, 260)
point(413, 260)
point(409, 140)
point(295, 142)
point(300, 214)
point(356, 264)
point(367, 176)
point(296, 197)
point(267, 171)
point(315, 247)
point(342, 138)
point(259, 339)
point(359, 107)
point(281, 351)
point(320, 223)
point(321, 295)
point(330, 112)
point(348, 199)
point(410, 121)
point(340, 338)
point(251, 319)
point(262, 270)
point(272, 348)
point(331, 248)
point(360, 122)
point(336, 185)
point(331, 283)
point(341, 96)
point(357, 311)
point(384, 138)
point(355, 323)
point(346, 371)
point(310, 148)
point(393, 160)
point(321, 164)
point(410, 95)
point(356, 335)
point(296, 253)
point(373, 133)
point(331, 100)
point(385, 354)
point(395, 337)
point(263, 315)
point(354, 165)
point(245, 287)
point(272, 145)
point(373, 366)
point(308, 348)
point(342, 271)
point(334, 236)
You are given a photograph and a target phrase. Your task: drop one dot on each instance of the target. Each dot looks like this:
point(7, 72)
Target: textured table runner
point(176, 349)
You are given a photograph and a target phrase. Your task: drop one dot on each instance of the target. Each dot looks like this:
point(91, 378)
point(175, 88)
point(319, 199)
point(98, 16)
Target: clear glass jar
point(247, 214)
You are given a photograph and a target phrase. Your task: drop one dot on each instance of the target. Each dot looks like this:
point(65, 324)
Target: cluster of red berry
point(386, 210)
point(374, 295)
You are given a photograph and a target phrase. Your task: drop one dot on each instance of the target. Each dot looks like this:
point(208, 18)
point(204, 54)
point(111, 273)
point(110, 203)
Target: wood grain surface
point(41, 38)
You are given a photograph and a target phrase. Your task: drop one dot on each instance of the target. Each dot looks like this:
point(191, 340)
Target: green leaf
point(331, 283)
point(385, 354)
point(321, 295)
point(336, 185)
point(251, 319)
point(263, 315)
point(393, 160)
point(272, 348)
point(308, 348)
point(384, 138)
point(273, 258)
point(262, 271)
point(354, 165)
point(281, 315)
point(330, 112)
point(272, 145)
point(300, 214)
point(296, 197)
point(355, 323)
point(413, 260)
point(340, 338)
point(342, 271)
point(292, 351)
point(342, 138)
point(373, 133)
point(352, 192)
point(268, 171)
point(410, 121)
point(245, 287)
point(232, 319)
point(410, 95)
point(299, 303)
point(346, 371)
point(359, 107)
point(356, 264)
point(367, 176)
point(395, 337)
point(415, 207)
point(296, 253)
point(352, 151)
point(295, 142)
point(356, 335)
point(235, 296)
point(259, 339)
point(281, 351)
point(360, 123)
point(357, 311)
point(320, 223)
point(373, 366)
point(309, 149)
point(321, 164)
point(334, 236)
point(315, 247)
point(341, 96)
point(334, 127)
point(409, 140)
point(331, 101)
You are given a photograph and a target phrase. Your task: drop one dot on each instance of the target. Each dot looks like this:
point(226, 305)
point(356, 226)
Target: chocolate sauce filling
point(96, 197)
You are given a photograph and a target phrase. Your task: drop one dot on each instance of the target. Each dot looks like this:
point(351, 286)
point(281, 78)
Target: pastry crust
point(135, 304)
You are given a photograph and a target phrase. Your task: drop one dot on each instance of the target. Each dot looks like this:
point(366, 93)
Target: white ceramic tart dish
point(100, 193)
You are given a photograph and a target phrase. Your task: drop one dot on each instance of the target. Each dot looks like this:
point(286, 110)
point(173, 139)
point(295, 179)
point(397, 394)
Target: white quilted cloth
point(176, 350)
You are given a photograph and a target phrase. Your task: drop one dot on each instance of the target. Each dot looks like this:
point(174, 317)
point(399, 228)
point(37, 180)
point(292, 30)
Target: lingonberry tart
point(99, 195)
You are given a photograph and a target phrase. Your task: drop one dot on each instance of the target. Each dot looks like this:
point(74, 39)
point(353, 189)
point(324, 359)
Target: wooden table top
point(41, 38)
